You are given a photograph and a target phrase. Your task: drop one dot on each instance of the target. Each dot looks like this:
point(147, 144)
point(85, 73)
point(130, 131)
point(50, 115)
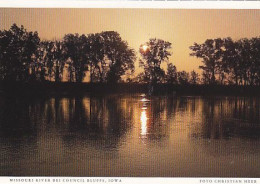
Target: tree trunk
point(57, 74)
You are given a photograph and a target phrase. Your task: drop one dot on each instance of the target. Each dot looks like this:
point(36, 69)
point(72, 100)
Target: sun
point(145, 47)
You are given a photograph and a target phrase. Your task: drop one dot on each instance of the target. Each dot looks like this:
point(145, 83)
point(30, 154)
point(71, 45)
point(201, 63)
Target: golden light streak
point(144, 100)
point(143, 123)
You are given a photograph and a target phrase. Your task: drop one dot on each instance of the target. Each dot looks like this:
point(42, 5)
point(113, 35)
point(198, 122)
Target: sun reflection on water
point(143, 117)
point(143, 123)
point(144, 100)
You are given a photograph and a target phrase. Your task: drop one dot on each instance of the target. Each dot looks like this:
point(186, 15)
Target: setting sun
point(145, 47)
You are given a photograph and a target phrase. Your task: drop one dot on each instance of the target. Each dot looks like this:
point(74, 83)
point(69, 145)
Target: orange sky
point(180, 27)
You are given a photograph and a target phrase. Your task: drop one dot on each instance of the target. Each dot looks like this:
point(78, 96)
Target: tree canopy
point(106, 58)
point(17, 48)
point(154, 53)
point(235, 62)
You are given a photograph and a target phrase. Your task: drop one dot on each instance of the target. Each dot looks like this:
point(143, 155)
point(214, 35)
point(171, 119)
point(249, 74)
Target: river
point(130, 135)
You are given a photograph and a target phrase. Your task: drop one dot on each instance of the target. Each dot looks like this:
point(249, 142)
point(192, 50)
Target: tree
point(17, 48)
point(142, 78)
point(58, 60)
point(245, 59)
point(256, 54)
point(194, 77)
point(211, 53)
point(249, 60)
point(171, 76)
point(121, 57)
point(75, 51)
point(231, 62)
point(154, 53)
point(183, 77)
point(48, 58)
point(206, 77)
point(53, 59)
point(96, 57)
point(254, 61)
point(39, 65)
point(109, 57)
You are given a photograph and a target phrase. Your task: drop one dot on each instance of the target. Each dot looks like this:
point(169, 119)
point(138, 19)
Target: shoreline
point(71, 89)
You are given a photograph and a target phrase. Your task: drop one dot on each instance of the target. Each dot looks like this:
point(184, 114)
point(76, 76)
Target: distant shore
point(72, 88)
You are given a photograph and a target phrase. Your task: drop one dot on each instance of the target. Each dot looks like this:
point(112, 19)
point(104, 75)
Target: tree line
point(106, 58)
point(226, 61)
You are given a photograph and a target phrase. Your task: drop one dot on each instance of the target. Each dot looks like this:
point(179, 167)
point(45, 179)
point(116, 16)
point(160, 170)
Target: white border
point(127, 180)
point(130, 4)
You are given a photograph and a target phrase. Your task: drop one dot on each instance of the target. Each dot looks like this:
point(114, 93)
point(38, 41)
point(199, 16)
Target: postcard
point(129, 94)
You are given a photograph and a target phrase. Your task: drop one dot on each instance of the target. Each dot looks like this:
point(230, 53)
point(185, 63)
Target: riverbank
point(69, 88)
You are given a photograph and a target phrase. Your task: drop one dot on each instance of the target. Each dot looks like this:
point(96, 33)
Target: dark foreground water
point(123, 135)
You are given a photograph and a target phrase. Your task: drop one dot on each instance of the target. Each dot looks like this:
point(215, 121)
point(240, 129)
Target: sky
point(181, 27)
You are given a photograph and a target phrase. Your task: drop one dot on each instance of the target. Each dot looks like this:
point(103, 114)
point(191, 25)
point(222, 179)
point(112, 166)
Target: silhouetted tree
point(183, 77)
point(171, 76)
point(54, 59)
point(17, 48)
point(141, 78)
point(206, 77)
point(211, 53)
point(153, 53)
point(256, 54)
point(121, 57)
point(38, 66)
point(231, 63)
point(96, 57)
point(194, 77)
point(254, 61)
point(75, 50)
point(107, 56)
point(59, 60)
point(241, 60)
point(48, 58)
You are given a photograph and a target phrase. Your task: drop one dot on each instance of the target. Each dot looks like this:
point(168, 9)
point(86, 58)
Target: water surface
point(130, 135)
